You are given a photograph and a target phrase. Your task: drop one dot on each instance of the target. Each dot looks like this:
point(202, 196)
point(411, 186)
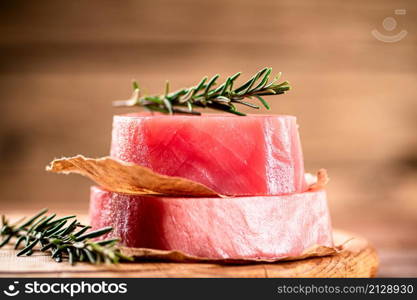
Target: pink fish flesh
point(262, 227)
point(233, 155)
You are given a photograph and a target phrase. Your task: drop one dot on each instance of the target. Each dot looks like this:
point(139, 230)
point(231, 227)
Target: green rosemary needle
point(72, 241)
point(206, 94)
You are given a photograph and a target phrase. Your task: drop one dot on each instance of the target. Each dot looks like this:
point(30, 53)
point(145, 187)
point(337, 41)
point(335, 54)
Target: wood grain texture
point(358, 259)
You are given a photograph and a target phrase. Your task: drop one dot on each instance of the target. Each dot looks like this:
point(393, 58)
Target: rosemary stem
point(62, 240)
point(207, 95)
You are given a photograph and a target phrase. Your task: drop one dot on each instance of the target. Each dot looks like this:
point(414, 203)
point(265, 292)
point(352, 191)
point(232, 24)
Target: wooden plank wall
point(63, 62)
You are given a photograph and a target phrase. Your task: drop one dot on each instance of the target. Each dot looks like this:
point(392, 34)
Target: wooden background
point(63, 62)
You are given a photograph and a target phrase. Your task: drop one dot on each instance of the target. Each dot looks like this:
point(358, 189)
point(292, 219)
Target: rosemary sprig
point(62, 240)
point(206, 94)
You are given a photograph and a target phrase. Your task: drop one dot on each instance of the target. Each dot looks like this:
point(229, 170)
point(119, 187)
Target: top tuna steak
point(254, 155)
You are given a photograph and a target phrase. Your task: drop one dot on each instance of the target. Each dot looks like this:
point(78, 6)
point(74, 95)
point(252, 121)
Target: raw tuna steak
point(264, 227)
point(233, 155)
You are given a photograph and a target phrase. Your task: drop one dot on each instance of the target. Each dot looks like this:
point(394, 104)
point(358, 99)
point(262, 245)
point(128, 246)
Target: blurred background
point(355, 96)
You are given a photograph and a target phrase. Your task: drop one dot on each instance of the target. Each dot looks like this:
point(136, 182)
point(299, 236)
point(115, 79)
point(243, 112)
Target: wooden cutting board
point(358, 259)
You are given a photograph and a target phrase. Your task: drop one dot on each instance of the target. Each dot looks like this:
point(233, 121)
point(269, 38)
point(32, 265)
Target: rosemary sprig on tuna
point(207, 94)
point(63, 238)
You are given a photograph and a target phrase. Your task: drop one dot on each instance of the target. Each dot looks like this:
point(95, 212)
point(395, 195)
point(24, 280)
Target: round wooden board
point(358, 259)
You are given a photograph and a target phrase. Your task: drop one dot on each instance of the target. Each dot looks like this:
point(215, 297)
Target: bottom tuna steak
point(217, 228)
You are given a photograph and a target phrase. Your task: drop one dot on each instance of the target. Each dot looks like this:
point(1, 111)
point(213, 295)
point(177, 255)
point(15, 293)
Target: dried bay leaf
point(179, 256)
point(317, 182)
point(128, 178)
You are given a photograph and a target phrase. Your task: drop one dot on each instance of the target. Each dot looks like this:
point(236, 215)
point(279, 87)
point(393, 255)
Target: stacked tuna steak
point(255, 161)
